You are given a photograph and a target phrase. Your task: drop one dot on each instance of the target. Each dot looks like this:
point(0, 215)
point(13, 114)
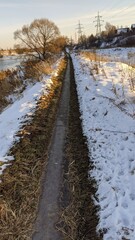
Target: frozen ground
point(107, 104)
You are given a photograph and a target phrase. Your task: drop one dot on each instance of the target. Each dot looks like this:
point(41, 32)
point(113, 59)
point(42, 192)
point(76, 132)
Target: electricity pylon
point(79, 28)
point(98, 24)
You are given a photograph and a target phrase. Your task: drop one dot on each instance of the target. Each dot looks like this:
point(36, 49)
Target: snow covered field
point(12, 118)
point(126, 55)
point(9, 62)
point(107, 104)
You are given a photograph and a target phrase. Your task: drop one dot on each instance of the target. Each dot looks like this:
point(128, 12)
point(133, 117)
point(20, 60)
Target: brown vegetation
point(35, 69)
point(9, 81)
point(93, 56)
point(20, 182)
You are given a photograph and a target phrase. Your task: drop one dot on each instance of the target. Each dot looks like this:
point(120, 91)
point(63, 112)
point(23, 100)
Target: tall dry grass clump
point(131, 77)
point(33, 69)
point(95, 60)
point(9, 81)
point(94, 56)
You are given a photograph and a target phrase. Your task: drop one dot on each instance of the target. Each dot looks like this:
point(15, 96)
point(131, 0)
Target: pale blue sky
point(65, 14)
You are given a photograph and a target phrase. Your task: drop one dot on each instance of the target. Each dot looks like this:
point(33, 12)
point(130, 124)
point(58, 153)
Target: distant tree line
point(107, 35)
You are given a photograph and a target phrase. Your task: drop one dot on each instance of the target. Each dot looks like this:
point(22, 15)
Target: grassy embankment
point(20, 182)
point(12, 83)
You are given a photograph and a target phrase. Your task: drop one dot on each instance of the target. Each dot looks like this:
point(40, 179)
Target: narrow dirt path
point(49, 201)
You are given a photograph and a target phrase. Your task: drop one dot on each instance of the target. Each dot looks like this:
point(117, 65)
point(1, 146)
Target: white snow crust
point(107, 106)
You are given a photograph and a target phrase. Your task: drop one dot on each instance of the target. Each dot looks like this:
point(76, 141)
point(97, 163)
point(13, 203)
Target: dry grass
point(93, 56)
point(20, 186)
point(78, 219)
point(35, 68)
point(9, 81)
point(131, 77)
point(96, 60)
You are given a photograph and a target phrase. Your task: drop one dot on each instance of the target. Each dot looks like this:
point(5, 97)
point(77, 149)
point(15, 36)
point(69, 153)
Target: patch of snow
point(12, 118)
point(126, 55)
point(109, 125)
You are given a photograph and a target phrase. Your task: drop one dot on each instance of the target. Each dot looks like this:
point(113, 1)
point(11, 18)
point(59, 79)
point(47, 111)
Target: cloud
point(11, 5)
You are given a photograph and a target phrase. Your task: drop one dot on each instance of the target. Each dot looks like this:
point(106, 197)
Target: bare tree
point(39, 37)
point(110, 29)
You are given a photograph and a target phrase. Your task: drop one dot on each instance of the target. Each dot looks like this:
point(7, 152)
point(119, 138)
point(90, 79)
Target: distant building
point(133, 27)
point(123, 30)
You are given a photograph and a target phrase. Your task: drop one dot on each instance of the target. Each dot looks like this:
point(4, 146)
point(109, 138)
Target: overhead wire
point(112, 6)
point(121, 11)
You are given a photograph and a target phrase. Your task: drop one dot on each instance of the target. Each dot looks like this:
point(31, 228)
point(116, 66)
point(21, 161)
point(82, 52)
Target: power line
point(98, 25)
point(112, 6)
point(121, 11)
